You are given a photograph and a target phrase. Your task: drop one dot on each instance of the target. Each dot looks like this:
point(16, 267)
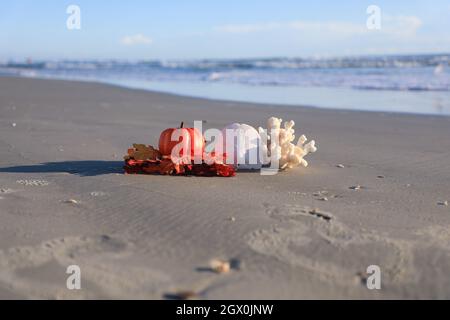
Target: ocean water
point(412, 84)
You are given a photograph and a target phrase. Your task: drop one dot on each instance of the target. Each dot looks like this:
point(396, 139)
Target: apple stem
point(182, 124)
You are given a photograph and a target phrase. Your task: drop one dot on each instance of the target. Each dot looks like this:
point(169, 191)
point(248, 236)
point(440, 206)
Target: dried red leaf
point(166, 166)
point(225, 170)
point(143, 152)
point(143, 159)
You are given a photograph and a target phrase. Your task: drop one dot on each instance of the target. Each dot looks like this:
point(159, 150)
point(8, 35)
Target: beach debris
point(321, 214)
point(220, 266)
point(357, 187)
point(6, 190)
point(303, 194)
point(33, 182)
point(290, 155)
point(360, 278)
point(182, 295)
point(73, 201)
point(443, 203)
point(340, 166)
point(98, 193)
point(323, 195)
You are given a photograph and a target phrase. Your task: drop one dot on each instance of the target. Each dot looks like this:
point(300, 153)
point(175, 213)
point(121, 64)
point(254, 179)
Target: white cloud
point(334, 28)
point(401, 26)
point(248, 28)
point(136, 40)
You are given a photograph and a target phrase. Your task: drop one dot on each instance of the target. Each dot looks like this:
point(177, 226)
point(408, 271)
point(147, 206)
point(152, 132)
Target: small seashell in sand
point(358, 187)
point(340, 166)
point(220, 266)
point(71, 201)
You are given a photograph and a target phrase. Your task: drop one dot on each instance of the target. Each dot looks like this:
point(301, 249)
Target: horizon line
point(309, 57)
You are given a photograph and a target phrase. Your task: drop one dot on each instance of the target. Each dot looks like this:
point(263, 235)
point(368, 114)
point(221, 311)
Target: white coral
point(290, 154)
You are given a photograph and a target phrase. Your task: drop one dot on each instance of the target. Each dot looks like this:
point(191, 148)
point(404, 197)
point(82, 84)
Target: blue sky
point(220, 29)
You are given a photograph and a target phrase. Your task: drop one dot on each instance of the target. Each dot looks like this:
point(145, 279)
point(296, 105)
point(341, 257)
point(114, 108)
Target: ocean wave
point(406, 61)
point(397, 73)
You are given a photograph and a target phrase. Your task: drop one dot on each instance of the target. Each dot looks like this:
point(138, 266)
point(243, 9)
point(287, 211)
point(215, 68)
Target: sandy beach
point(64, 200)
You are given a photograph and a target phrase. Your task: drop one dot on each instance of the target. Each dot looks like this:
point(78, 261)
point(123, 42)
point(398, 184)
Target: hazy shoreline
point(149, 236)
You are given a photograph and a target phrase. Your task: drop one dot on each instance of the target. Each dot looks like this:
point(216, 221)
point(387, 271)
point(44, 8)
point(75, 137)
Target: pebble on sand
point(98, 193)
point(14, 124)
point(358, 187)
point(340, 166)
point(182, 295)
point(443, 203)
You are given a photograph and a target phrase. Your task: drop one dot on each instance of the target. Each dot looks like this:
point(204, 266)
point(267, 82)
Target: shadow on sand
point(80, 168)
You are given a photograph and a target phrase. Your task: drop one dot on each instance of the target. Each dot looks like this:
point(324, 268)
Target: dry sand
point(137, 236)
